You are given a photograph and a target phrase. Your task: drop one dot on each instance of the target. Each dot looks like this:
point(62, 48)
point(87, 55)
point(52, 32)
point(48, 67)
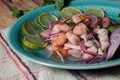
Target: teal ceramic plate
point(112, 8)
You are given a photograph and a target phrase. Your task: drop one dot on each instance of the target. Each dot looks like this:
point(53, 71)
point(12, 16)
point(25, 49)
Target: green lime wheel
point(95, 11)
point(34, 42)
point(69, 11)
point(44, 19)
point(31, 28)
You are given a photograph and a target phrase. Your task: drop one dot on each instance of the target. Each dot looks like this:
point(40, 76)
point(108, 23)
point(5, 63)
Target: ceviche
point(89, 36)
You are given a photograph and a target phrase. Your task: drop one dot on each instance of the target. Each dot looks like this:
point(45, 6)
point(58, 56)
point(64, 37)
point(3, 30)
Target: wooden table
point(6, 18)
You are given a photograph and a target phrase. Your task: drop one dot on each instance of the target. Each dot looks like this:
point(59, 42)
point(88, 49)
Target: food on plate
point(88, 37)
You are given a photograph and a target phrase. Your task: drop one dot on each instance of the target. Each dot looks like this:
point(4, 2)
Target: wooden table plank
point(6, 18)
point(15, 1)
point(29, 4)
point(8, 3)
point(39, 2)
point(3, 8)
point(22, 4)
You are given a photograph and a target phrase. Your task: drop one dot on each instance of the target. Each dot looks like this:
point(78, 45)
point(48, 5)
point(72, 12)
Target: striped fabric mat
point(13, 67)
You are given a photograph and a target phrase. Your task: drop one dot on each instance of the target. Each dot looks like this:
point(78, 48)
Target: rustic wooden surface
point(6, 18)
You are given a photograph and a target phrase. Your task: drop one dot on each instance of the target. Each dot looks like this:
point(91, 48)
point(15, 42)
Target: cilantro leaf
point(70, 24)
point(59, 4)
point(16, 12)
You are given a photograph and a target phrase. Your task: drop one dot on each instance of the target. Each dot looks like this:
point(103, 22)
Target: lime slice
point(69, 11)
point(95, 11)
point(45, 18)
point(31, 28)
point(34, 42)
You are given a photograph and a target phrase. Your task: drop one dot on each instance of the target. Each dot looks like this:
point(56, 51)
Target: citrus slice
point(45, 18)
point(34, 42)
point(95, 11)
point(31, 28)
point(69, 11)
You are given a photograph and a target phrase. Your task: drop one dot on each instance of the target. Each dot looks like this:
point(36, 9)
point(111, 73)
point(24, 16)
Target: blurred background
point(6, 10)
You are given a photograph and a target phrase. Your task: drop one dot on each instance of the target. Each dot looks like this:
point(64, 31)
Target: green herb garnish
point(19, 12)
point(70, 24)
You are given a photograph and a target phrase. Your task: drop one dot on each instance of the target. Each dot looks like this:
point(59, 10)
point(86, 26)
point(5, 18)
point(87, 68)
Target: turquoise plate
point(112, 8)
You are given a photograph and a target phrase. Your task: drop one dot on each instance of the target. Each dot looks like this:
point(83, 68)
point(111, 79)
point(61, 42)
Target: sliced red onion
point(95, 59)
point(54, 34)
point(97, 43)
point(115, 42)
point(66, 20)
point(45, 34)
point(95, 40)
point(67, 48)
point(90, 60)
point(86, 51)
point(106, 22)
point(63, 20)
point(93, 54)
point(60, 55)
point(94, 21)
point(51, 34)
point(51, 25)
point(87, 21)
